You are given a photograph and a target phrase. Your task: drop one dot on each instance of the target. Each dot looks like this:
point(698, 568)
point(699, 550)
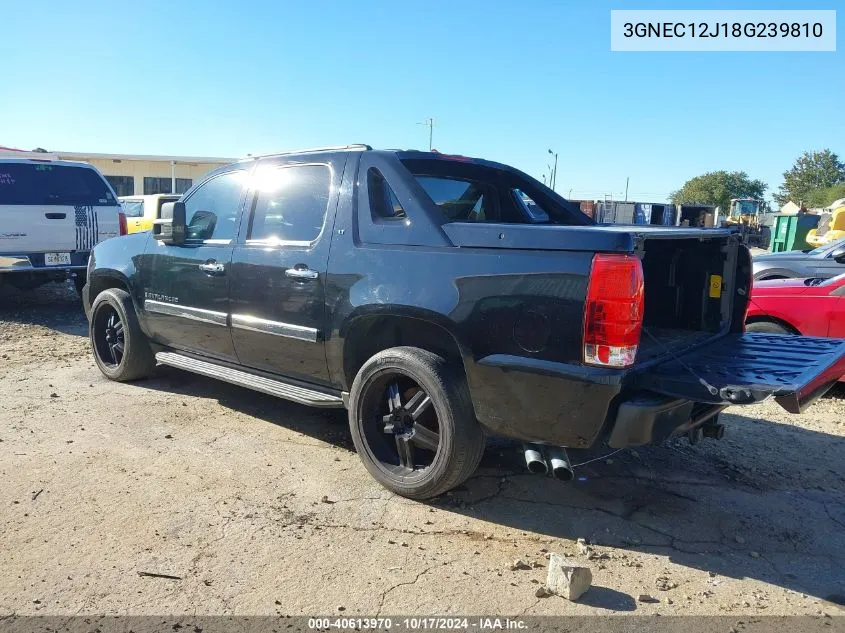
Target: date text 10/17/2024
point(418, 623)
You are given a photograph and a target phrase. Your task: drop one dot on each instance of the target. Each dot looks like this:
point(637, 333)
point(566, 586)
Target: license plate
point(57, 259)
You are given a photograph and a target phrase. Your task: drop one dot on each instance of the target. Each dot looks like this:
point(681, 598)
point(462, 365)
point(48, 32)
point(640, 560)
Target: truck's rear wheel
point(413, 423)
point(120, 348)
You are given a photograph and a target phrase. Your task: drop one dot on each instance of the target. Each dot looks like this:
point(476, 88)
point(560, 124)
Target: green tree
point(811, 174)
point(716, 188)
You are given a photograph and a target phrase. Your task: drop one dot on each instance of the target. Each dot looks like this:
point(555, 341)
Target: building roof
point(150, 157)
point(84, 156)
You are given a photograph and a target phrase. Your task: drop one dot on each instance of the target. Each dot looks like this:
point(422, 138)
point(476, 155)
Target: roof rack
point(330, 148)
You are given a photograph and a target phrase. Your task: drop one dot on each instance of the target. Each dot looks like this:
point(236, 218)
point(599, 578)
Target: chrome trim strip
point(254, 324)
point(278, 388)
point(186, 312)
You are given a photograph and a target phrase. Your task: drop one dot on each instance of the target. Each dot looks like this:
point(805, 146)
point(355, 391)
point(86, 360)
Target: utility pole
point(554, 171)
point(627, 178)
point(429, 123)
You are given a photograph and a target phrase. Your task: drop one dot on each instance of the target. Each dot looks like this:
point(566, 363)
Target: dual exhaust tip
point(542, 460)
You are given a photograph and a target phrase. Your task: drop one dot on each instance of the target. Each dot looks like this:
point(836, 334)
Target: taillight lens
point(121, 222)
point(613, 314)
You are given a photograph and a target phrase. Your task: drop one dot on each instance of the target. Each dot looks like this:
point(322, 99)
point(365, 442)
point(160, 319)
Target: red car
point(812, 307)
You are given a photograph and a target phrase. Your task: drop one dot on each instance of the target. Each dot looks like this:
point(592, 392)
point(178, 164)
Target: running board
point(277, 388)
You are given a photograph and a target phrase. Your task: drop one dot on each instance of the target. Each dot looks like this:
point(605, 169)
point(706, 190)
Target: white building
point(137, 174)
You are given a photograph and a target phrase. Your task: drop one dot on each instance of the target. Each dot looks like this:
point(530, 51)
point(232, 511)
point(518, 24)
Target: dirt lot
point(259, 506)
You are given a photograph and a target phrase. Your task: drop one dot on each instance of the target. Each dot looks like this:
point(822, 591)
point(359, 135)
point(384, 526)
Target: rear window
point(460, 200)
point(531, 208)
point(133, 208)
point(36, 184)
point(469, 191)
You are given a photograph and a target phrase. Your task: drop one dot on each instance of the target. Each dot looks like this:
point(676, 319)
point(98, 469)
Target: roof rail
point(330, 148)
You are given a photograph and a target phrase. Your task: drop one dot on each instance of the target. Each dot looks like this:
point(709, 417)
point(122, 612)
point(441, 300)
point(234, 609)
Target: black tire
point(767, 327)
point(405, 373)
point(121, 350)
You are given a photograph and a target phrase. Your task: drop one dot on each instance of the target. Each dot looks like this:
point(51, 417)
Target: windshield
point(824, 248)
point(746, 207)
point(48, 184)
point(833, 281)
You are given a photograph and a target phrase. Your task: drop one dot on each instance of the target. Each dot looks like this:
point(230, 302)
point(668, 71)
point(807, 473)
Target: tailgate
point(36, 228)
point(748, 368)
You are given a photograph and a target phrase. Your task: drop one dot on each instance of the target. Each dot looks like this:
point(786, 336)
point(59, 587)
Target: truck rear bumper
point(541, 401)
point(575, 405)
point(559, 408)
point(649, 418)
point(34, 263)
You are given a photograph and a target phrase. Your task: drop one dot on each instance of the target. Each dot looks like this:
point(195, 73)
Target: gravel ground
point(259, 506)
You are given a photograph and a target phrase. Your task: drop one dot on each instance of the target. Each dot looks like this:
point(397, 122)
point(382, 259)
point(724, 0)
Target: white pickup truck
point(52, 213)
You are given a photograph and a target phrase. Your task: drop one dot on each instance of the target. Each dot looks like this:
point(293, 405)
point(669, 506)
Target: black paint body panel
point(509, 299)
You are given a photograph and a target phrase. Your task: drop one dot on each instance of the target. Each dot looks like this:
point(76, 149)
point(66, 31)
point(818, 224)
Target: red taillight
point(613, 314)
point(121, 222)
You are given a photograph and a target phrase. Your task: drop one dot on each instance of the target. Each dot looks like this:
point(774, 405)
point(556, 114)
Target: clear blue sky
point(505, 81)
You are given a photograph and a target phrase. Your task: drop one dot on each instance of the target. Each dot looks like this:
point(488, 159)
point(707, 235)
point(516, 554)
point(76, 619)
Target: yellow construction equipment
point(753, 218)
point(831, 225)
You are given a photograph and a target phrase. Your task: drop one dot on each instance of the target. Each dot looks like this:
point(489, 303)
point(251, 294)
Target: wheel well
point(369, 335)
point(100, 283)
point(770, 319)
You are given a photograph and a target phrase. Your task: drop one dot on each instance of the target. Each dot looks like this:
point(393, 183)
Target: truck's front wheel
point(413, 423)
point(121, 350)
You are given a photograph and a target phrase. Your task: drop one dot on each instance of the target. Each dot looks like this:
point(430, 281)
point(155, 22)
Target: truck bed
point(659, 342)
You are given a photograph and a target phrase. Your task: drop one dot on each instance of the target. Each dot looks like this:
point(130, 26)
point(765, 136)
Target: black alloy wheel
point(401, 425)
point(109, 339)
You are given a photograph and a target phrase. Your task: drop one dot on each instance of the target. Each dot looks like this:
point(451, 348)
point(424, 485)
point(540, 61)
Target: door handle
point(212, 268)
point(55, 216)
point(301, 273)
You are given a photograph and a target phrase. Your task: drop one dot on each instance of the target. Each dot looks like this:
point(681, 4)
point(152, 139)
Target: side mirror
point(838, 255)
point(169, 227)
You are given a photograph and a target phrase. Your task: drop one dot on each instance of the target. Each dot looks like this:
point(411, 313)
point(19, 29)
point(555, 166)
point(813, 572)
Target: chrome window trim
point(186, 312)
point(276, 328)
point(271, 244)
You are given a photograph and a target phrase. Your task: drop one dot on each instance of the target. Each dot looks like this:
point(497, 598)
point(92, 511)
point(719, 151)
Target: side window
point(461, 200)
point(133, 208)
point(290, 203)
point(534, 211)
point(212, 210)
point(384, 205)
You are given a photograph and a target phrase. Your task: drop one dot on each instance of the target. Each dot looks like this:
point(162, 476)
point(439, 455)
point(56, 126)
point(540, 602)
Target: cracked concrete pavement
point(224, 489)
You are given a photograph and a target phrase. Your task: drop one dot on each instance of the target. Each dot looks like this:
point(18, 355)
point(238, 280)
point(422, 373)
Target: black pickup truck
point(440, 299)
